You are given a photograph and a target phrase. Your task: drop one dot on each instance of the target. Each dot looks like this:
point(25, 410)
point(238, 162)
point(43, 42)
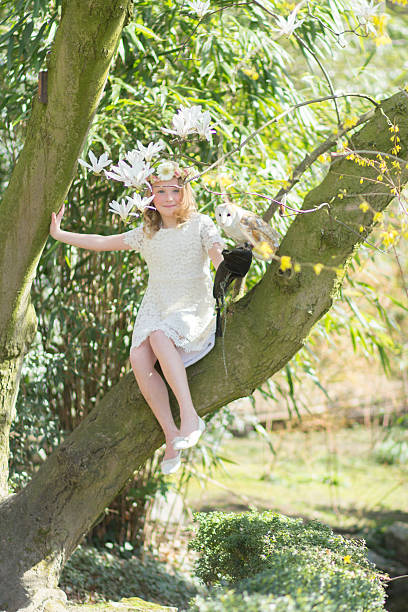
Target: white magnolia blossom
point(287, 26)
point(203, 126)
point(201, 8)
point(123, 208)
point(139, 202)
point(96, 165)
point(152, 149)
point(134, 175)
point(191, 120)
point(166, 170)
point(366, 10)
point(135, 156)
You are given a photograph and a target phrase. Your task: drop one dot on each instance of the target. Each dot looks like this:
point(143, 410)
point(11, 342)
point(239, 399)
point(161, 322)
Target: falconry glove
point(236, 264)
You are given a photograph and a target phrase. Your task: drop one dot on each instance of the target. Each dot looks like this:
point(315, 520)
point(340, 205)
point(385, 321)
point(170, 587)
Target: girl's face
point(167, 197)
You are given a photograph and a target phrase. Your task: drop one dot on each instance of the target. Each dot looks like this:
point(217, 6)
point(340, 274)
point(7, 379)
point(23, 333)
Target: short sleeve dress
point(178, 298)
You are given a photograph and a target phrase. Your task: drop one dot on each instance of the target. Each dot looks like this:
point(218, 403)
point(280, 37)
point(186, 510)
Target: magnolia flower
point(135, 156)
point(166, 170)
point(286, 27)
point(191, 120)
point(183, 122)
point(139, 202)
point(201, 8)
point(151, 150)
point(123, 209)
point(203, 126)
point(366, 10)
point(97, 165)
point(134, 175)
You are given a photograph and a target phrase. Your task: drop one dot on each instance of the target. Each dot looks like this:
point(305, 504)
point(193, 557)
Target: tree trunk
point(42, 524)
point(78, 67)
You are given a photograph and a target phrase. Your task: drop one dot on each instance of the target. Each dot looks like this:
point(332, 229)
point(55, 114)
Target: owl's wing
point(261, 235)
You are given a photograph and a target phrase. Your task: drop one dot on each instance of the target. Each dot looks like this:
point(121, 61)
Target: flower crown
point(167, 170)
point(137, 170)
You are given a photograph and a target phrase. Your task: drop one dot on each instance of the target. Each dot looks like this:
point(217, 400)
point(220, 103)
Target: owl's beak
point(227, 221)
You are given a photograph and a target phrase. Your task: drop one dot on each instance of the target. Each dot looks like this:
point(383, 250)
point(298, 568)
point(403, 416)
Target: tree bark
point(42, 524)
point(78, 67)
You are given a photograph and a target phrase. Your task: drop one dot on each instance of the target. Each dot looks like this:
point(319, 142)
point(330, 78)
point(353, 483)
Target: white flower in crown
point(152, 149)
point(139, 202)
point(97, 164)
point(166, 170)
point(134, 175)
point(201, 8)
point(121, 208)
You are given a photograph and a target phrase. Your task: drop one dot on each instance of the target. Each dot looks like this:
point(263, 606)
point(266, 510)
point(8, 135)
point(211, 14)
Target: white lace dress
point(178, 298)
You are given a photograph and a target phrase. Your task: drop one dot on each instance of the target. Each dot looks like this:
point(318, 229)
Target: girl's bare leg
point(175, 373)
point(154, 391)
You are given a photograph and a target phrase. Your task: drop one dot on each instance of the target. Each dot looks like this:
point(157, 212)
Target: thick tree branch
point(78, 67)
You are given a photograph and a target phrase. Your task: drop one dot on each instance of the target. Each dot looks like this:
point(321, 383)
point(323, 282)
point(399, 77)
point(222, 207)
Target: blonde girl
point(175, 324)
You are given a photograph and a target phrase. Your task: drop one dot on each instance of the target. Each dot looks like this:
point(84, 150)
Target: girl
point(175, 324)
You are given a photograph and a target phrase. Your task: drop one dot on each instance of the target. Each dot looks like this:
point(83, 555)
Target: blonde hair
point(152, 218)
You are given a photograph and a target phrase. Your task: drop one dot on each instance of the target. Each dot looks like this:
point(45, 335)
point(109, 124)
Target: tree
point(43, 523)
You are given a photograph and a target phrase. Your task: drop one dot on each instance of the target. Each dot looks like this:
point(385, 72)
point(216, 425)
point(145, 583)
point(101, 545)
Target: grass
point(332, 476)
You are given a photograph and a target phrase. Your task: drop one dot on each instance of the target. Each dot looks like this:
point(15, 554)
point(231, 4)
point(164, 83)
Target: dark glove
point(236, 264)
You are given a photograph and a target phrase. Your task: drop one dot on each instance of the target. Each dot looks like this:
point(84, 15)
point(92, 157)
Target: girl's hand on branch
point(56, 222)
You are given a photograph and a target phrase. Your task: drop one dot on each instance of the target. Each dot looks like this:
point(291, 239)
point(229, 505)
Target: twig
point(401, 271)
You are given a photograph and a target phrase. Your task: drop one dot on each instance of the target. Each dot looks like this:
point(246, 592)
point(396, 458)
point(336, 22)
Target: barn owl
point(245, 226)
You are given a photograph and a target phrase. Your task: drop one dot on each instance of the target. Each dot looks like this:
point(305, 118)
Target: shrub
point(282, 563)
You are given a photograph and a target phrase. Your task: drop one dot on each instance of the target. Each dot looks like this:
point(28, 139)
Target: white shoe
point(169, 466)
point(180, 443)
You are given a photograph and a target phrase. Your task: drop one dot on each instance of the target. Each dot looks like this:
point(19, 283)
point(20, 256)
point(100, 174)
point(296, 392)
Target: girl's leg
point(154, 391)
point(175, 373)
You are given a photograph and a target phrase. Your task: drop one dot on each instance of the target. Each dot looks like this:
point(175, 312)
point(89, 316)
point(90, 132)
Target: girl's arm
point(216, 255)
point(93, 242)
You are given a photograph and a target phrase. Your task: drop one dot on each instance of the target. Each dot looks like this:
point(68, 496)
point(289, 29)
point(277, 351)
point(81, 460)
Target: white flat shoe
point(169, 466)
point(180, 443)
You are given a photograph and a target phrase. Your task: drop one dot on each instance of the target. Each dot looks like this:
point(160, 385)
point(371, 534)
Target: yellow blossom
point(389, 237)
point(318, 268)
point(224, 180)
point(361, 180)
point(297, 267)
point(349, 123)
point(251, 73)
point(384, 39)
point(361, 229)
point(364, 206)
point(347, 559)
point(380, 177)
point(209, 180)
point(285, 263)
point(378, 216)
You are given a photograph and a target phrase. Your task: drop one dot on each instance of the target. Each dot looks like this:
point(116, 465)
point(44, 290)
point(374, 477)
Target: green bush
point(282, 563)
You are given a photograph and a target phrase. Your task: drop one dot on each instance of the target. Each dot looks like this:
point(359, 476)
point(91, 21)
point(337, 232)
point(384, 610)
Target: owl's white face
point(224, 215)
